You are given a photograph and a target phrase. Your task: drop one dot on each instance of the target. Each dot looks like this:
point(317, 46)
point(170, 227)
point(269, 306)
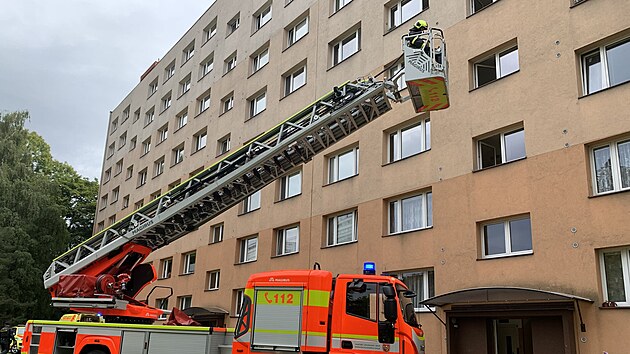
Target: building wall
point(553, 184)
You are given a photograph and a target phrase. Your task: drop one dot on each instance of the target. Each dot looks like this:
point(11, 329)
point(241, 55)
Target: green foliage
point(45, 206)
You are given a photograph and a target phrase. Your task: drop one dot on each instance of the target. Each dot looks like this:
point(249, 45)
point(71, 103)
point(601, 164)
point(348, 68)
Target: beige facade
point(520, 183)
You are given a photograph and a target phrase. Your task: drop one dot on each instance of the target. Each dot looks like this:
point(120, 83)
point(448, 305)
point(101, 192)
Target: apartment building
point(507, 213)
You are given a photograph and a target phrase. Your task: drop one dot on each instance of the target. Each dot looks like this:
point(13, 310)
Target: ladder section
point(229, 181)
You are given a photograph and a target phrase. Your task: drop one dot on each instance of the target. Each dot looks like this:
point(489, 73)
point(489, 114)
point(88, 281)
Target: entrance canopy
point(205, 311)
point(499, 295)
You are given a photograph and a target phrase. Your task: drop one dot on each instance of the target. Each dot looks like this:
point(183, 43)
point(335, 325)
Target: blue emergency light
point(369, 268)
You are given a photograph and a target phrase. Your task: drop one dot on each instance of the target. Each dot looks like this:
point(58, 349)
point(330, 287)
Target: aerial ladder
point(105, 273)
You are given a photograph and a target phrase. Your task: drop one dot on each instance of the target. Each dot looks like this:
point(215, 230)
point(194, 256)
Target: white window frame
point(163, 133)
point(625, 267)
point(615, 168)
point(134, 141)
point(333, 165)
point(504, 159)
point(166, 102)
point(185, 302)
point(287, 181)
point(104, 202)
point(182, 119)
point(233, 24)
point(338, 54)
point(122, 140)
point(115, 194)
point(290, 80)
point(244, 245)
point(119, 167)
point(230, 63)
point(281, 241)
point(114, 125)
point(142, 177)
point(239, 295)
point(472, 6)
point(169, 72)
point(340, 4)
point(184, 85)
point(149, 117)
point(497, 64)
point(217, 233)
point(261, 17)
point(400, 81)
point(395, 153)
point(107, 175)
point(153, 87)
point(332, 232)
point(158, 167)
point(203, 103)
point(396, 22)
point(214, 279)
point(425, 286)
point(210, 30)
point(223, 145)
point(206, 66)
point(111, 149)
point(162, 304)
point(603, 60)
point(248, 205)
point(188, 266)
point(260, 60)
point(188, 52)
point(258, 104)
point(166, 268)
point(129, 172)
point(426, 203)
point(508, 241)
point(201, 140)
point(227, 103)
point(292, 33)
point(125, 202)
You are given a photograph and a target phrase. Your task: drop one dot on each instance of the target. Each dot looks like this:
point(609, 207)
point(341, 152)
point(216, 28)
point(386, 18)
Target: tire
point(96, 351)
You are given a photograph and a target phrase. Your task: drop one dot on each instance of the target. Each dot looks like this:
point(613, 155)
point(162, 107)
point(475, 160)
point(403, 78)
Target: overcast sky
point(70, 62)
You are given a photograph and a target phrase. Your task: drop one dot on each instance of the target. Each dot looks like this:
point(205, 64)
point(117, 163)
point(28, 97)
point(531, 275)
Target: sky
point(70, 62)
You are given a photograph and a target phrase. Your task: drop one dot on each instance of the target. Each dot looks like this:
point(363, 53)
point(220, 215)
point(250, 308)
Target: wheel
point(96, 351)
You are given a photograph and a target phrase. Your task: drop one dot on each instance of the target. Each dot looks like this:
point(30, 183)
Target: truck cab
point(310, 311)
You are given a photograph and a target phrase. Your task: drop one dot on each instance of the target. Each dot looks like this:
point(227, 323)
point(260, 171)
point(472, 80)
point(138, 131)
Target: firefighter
point(7, 336)
point(415, 39)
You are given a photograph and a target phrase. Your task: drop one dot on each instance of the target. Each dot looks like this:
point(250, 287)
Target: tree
point(45, 206)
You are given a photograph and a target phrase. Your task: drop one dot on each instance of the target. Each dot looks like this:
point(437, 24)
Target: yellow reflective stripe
point(121, 326)
point(275, 331)
point(318, 298)
point(315, 334)
point(357, 336)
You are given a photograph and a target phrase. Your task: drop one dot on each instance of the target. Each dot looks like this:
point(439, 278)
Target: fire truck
point(299, 311)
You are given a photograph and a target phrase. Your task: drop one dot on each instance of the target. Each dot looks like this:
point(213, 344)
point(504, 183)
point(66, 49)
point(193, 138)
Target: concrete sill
point(405, 158)
point(339, 244)
point(603, 90)
point(493, 81)
point(401, 233)
point(340, 180)
point(608, 193)
point(499, 165)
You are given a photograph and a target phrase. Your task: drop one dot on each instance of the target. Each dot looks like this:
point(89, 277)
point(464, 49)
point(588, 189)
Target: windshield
point(406, 306)
point(20, 330)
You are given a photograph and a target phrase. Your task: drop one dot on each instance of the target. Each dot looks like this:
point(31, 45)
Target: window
point(251, 203)
point(138, 205)
point(295, 33)
point(213, 279)
point(100, 226)
point(288, 241)
point(125, 113)
point(184, 85)
point(478, 5)
point(206, 66)
point(174, 184)
point(158, 167)
point(411, 213)
point(122, 140)
point(262, 17)
point(258, 104)
point(496, 66)
point(200, 140)
point(136, 115)
point(501, 148)
point(248, 249)
point(182, 119)
point(291, 185)
point(111, 220)
point(169, 71)
point(118, 167)
point(230, 63)
point(166, 101)
point(155, 195)
point(610, 166)
point(104, 202)
point(410, 140)
point(142, 177)
point(259, 60)
point(178, 155)
point(345, 47)
point(188, 52)
point(294, 80)
point(107, 175)
point(149, 117)
point(114, 125)
point(606, 66)
point(166, 267)
point(146, 146)
point(134, 141)
point(403, 10)
point(125, 202)
point(203, 102)
point(506, 238)
point(342, 229)
point(339, 4)
point(238, 296)
point(615, 270)
point(343, 165)
point(189, 263)
point(153, 86)
point(217, 233)
point(223, 145)
point(421, 282)
point(400, 81)
point(110, 149)
point(362, 303)
point(227, 102)
point(210, 30)
point(185, 302)
point(162, 304)
point(163, 133)
point(233, 24)
point(129, 172)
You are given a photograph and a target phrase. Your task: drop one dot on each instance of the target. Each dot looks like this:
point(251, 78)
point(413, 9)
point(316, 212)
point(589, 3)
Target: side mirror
point(388, 291)
point(409, 294)
point(390, 310)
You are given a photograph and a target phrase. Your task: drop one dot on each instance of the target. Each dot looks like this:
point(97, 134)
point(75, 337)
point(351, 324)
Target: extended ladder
point(229, 181)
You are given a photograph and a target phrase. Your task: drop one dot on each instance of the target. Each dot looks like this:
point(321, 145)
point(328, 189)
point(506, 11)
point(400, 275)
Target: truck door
point(357, 317)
